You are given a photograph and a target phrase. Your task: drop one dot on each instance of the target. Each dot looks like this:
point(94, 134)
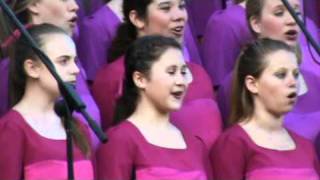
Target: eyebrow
point(295, 6)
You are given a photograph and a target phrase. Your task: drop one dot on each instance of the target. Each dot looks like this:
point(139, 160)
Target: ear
point(251, 84)
point(255, 24)
point(32, 68)
point(33, 7)
point(136, 20)
point(139, 80)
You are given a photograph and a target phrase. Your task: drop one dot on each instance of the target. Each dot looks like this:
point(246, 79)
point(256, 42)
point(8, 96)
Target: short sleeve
point(228, 158)
point(12, 145)
point(115, 158)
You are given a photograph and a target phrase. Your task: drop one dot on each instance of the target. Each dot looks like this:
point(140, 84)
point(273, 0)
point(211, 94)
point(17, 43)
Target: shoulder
point(124, 133)
point(12, 125)
point(12, 119)
point(114, 68)
point(110, 73)
point(99, 18)
point(228, 18)
point(233, 136)
point(301, 141)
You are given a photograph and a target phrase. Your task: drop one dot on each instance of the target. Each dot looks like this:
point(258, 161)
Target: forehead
point(56, 45)
point(170, 57)
point(272, 4)
point(281, 59)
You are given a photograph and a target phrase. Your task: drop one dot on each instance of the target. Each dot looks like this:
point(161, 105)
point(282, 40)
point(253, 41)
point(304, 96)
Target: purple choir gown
point(236, 156)
point(97, 32)
point(226, 33)
point(4, 103)
point(199, 12)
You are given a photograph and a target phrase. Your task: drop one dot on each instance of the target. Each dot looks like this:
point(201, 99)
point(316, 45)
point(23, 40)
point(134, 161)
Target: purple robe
point(309, 55)
point(226, 33)
point(199, 12)
point(191, 46)
point(4, 69)
point(97, 32)
point(236, 156)
point(312, 10)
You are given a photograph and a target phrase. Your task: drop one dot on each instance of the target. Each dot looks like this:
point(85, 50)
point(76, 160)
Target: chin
point(174, 107)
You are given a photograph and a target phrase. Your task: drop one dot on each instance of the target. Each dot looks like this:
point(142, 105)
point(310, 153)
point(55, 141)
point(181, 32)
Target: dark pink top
point(236, 156)
point(25, 154)
point(128, 155)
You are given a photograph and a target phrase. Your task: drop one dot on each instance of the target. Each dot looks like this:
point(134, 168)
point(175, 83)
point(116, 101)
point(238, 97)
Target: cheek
point(271, 26)
point(159, 22)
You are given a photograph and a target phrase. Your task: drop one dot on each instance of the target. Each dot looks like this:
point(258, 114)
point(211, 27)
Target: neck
point(35, 100)
point(147, 113)
point(267, 120)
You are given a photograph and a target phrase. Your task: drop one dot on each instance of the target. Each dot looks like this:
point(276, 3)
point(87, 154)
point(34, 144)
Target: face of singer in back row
point(276, 22)
point(62, 13)
point(164, 17)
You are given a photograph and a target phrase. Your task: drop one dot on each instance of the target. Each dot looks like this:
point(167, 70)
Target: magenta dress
point(25, 154)
point(201, 117)
point(128, 155)
point(226, 33)
point(107, 88)
point(235, 156)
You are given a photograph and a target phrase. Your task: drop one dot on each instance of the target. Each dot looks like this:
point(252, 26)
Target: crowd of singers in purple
point(184, 89)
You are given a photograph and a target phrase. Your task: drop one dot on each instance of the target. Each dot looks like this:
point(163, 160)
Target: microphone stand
point(63, 111)
point(302, 27)
point(67, 91)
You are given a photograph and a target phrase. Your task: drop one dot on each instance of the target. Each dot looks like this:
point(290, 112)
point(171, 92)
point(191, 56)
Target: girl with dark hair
point(258, 146)
point(94, 49)
point(144, 17)
point(34, 12)
point(32, 136)
point(145, 144)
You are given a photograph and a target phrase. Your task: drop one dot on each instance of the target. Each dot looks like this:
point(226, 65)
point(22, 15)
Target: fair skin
point(276, 22)
point(164, 17)
point(42, 89)
point(62, 13)
point(161, 93)
point(274, 94)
